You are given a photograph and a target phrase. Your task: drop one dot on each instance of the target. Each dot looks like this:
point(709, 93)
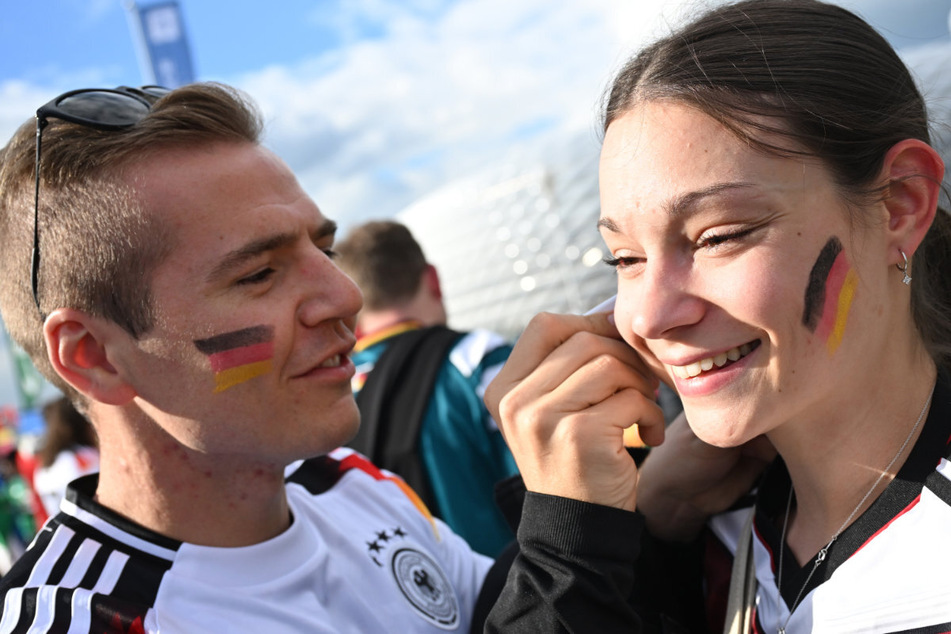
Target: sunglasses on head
point(100, 108)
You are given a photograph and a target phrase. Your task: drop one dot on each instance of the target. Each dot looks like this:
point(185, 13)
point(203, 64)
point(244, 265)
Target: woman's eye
point(330, 253)
point(713, 240)
point(257, 277)
point(622, 263)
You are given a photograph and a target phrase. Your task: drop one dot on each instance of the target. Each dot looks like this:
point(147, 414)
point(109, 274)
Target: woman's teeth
point(703, 365)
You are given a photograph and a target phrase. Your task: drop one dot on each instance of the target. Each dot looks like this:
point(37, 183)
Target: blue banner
point(165, 43)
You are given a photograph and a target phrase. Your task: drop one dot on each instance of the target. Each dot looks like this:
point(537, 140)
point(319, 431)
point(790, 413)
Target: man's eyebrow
point(683, 204)
point(326, 228)
point(237, 257)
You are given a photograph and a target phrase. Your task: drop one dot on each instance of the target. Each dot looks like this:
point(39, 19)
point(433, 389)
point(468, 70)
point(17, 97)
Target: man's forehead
point(221, 180)
point(183, 169)
point(225, 197)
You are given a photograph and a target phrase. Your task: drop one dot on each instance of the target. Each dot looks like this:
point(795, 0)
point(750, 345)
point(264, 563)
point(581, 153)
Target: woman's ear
point(913, 172)
point(78, 348)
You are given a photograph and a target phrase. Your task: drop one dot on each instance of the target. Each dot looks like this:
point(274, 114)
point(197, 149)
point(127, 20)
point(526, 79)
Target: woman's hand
point(686, 480)
point(563, 400)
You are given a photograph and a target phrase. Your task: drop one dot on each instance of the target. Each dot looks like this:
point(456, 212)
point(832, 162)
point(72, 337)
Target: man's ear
point(78, 348)
point(913, 171)
point(432, 281)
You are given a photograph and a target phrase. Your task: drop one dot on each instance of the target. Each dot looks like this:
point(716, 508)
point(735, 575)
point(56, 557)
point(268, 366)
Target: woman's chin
point(713, 430)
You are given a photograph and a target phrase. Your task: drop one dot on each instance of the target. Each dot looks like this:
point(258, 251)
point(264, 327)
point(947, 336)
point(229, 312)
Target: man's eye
point(257, 277)
point(330, 253)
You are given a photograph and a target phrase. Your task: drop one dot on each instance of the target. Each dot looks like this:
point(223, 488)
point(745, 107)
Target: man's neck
point(424, 308)
point(377, 322)
point(188, 496)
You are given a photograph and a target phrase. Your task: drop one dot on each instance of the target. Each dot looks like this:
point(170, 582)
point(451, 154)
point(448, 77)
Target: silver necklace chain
point(825, 549)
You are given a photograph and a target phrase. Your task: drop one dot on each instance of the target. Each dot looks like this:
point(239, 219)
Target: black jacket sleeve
point(574, 571)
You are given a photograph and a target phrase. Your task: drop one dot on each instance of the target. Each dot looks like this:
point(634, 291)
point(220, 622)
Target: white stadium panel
point(514, 241)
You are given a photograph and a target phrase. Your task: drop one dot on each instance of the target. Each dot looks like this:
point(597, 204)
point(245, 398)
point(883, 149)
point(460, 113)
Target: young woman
point(770, 202)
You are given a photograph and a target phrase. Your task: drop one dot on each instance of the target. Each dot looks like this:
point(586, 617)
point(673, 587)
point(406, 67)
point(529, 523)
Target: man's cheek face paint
point(239, 356)
point(829, 295)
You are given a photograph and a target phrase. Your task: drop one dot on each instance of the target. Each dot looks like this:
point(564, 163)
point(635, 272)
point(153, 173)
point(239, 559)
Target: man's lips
point(338, 358)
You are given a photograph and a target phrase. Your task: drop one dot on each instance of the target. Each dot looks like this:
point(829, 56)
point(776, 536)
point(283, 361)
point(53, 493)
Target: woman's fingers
point(554, 346)
point(579, 453)
point(563, 400)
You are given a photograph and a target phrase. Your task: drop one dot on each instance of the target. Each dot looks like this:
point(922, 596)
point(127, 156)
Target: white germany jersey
point(359, 556)
point(889, 572)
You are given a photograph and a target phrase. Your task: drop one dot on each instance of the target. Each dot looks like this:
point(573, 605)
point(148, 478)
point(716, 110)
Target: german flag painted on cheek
point(239, 356)
point(829, 295)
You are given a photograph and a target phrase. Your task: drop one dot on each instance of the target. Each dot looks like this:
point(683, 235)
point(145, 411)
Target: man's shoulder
point(346, 471)
point(479, 350)
point(319, 475)
point(75, 573)
point(344, 483)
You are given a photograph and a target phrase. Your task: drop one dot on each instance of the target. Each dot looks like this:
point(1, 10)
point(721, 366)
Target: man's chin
point(348, 428)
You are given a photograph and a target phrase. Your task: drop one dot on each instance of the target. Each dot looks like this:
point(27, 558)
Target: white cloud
point(382, 122)
point(437, 90)
point(19, 98)
point(440, 89)
point(92, 11)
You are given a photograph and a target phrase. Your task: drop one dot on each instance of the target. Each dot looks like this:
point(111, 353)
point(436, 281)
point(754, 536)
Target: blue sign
point(163, 34)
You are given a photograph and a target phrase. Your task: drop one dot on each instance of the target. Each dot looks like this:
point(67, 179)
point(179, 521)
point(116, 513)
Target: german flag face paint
point(829, 295)
point(239, 356)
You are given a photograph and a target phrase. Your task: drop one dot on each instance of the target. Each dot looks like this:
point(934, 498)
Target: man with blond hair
point(169, 274)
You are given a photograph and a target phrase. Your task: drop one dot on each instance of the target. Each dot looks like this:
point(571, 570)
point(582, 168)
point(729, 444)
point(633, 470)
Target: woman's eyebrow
point(684, 204)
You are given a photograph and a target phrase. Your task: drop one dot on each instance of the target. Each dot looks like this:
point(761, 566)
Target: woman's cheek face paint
point(829, 295)
point(239, 356)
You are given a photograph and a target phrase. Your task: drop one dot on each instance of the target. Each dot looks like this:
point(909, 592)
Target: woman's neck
point(841, 462)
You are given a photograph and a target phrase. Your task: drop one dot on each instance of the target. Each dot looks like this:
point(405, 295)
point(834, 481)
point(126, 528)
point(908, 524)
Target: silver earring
point(906, 279)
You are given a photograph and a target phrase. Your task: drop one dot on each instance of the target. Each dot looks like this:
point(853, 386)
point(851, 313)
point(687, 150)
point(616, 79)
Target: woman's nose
point(664, 301)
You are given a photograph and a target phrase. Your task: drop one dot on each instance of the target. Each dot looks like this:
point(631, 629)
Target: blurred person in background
point(455, 454)
point(68, 449)
point(17, 523)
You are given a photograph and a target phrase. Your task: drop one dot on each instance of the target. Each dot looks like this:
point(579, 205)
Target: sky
point(375, 103)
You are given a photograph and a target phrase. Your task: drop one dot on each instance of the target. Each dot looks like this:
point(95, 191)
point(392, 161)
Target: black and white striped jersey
point(359, 556)
point(887, 572)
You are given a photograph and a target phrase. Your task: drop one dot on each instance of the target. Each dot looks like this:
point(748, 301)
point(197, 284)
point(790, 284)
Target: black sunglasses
point(99, 108)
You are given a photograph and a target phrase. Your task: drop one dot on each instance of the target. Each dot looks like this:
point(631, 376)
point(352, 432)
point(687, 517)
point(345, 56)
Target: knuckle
point(585, 339)
point(608, 363)
point(570, 433)
point(544, 321)
point(508, 408)
point(515, 409)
